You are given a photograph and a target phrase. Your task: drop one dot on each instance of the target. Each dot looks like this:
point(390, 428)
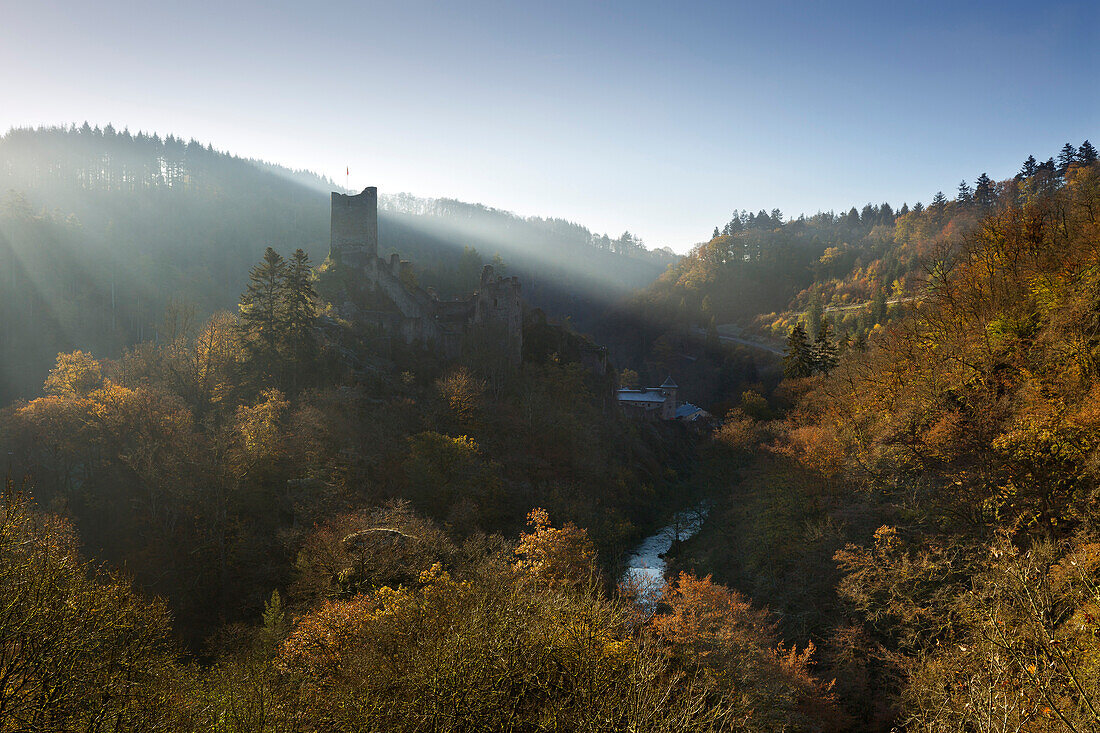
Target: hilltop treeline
point(101, 229)
point(926, 512)
point(763, 275)
point(758, 264)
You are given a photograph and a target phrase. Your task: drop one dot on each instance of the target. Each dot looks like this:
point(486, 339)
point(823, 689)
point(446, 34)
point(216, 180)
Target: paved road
point(892, 301)
point(725, 335)
point(743, 342)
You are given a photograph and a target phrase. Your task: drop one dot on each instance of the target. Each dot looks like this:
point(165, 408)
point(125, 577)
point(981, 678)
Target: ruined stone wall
point(420, 315)
point(497, 300)
point(354, 227)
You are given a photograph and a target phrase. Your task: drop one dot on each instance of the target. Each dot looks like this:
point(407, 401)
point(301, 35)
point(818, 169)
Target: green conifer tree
point(879, 307)
point(298, 306)
point(984, 193)
point(965, 196)
point(814, 315)
point(824, 350)
point(1029, 167)
point(1067, 156)
point(798, 361)
point(262, 313)
point(1086, 154)
point(276, 624)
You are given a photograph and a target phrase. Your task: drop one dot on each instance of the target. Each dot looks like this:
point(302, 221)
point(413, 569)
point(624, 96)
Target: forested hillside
point(926, 512)
point(759, 276)
point(266, 519)
point(352, 535)
point(101, 229)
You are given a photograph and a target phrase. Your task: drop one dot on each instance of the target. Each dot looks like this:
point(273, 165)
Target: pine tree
point(845, 343)
point(965, 196)
point(713, 342)
point(798, 361)
point(824, 351)
point(1067, 156)
point(984, 193)
point(298, 301)
point(261, 313)
point(879, 307)
point(1029, 168)
point(814, 314)
point(1086, 154)
point(1046, 177)
point(276, 624)
point(716, 233)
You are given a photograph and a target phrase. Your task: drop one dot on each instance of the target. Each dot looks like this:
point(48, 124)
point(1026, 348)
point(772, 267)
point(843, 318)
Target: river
point(645, 567)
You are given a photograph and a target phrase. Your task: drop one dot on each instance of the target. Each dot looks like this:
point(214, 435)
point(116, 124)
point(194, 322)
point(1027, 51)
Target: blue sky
point(656, 117)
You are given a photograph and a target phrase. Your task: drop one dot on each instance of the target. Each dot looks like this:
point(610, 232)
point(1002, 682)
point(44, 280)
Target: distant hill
point(760, 275)
point(101, 229)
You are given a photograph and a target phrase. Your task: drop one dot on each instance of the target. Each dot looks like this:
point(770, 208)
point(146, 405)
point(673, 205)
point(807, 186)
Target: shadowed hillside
point(100, 230)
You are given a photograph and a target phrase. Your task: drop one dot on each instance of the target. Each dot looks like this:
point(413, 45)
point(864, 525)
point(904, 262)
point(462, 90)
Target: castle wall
point(497, 301)
point(354, 226)
point(420, 315)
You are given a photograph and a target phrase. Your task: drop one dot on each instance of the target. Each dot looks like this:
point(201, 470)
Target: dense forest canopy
point(101, 229)
point(760, 275)
point(925, 508)
point(268, 520)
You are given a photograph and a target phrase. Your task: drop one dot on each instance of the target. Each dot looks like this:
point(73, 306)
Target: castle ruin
point(381, 292)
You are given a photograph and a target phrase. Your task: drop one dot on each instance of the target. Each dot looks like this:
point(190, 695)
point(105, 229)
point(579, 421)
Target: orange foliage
point(555, 556)
point(817, 448)
point(716, 628)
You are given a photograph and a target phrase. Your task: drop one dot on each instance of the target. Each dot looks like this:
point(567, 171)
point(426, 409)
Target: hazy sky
point(657, 117)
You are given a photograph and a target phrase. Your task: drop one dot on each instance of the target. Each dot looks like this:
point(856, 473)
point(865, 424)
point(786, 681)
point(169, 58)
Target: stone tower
point(369, 286)
point(354, 222)
point(668, 410)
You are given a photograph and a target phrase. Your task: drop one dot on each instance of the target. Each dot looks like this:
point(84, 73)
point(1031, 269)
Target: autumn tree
point(555, 556)
point(76, 375)
point(78, 650)
point(450, 479)
point(463, 394)
point(482, 647)
point(717, 629)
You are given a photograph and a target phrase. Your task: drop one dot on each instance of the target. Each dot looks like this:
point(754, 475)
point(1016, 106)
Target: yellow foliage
point(554, 556)
point(76, 375)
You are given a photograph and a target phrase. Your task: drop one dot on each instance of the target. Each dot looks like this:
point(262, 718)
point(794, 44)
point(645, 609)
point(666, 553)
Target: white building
point(650, 403)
